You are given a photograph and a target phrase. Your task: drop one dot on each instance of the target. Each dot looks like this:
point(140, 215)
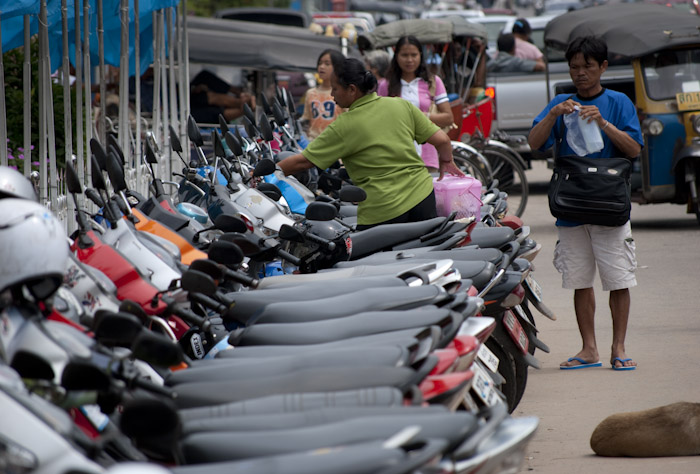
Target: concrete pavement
point(663, 337)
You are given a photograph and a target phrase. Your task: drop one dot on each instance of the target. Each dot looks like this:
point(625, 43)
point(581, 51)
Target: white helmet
point(33, 248)
point(14, 184)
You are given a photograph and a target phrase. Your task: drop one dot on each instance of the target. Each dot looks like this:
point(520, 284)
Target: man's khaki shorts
point(579, 249)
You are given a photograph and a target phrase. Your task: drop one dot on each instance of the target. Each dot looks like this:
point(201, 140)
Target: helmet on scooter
point(14, 184)
point(33, 248)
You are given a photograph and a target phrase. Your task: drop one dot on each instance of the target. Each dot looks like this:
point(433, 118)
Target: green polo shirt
point(374, 138)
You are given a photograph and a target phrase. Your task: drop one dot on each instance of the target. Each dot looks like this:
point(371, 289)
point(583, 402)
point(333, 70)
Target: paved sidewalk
point(663, 337)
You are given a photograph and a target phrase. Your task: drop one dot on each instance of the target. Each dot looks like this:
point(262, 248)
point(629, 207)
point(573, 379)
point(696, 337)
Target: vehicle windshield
point(667, 73)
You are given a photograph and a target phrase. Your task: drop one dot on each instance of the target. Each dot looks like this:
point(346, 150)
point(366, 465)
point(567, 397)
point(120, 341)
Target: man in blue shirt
point(582, 247)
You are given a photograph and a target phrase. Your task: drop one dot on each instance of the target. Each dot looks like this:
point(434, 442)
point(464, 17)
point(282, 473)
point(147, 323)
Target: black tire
point(511, 178)
point(506, 367)
point(520, 366)
point(472, 166)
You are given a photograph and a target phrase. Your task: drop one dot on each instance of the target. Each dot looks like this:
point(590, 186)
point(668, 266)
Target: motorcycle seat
point(307, 380)
point(491, 237)
point(229, 369)
point(367, 242)
point(371, 299)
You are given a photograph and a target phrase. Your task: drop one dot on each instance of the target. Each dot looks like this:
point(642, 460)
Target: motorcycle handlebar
point(289, 257)
point(241, 278)
point(320, 240)
point(191, 317)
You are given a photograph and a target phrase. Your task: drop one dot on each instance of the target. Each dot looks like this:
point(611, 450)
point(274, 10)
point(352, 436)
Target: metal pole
point(80, 164)
point(88, 82)
point(157, 41)
point(103, 86)
point(68, 129)
point(124, 124)
point(185, 82)
point(43, 191)
point(3, 127)
point(48, 108)
point(164, 84)
point(172, 43)
point(27, 96)
point(137, 84)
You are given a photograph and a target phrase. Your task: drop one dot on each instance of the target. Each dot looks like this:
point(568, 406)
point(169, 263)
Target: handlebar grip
point(289, 257)
point(241, 278)
point(208, 302)
point(190, 317)
point(320, 240)
point(153, 388)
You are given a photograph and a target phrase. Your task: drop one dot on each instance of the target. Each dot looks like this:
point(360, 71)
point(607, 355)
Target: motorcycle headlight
point(696, 123)
point(652, 127)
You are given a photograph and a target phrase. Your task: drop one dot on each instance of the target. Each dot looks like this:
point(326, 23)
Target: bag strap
point(558, 140)
point(431, 90)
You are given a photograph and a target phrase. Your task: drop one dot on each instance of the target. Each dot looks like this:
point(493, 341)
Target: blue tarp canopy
point(12, 16)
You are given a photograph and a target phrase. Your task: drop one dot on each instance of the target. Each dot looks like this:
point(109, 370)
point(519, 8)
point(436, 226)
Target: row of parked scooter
point(243, 325)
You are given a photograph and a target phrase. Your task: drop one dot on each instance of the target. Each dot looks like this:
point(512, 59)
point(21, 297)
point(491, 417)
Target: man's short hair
point(592, 47)
point(522, 27)
point(506, 43)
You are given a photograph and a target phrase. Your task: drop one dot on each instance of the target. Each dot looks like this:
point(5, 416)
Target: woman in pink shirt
point(523, 47)
point(409, 78)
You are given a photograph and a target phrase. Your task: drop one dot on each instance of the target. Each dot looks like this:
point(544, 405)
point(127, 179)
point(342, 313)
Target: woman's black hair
point(337, 58)
point(592, 47)
point(353, 72)
point(394, 74)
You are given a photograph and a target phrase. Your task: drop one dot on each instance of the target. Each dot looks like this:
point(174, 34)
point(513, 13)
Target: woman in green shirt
point(374, 139)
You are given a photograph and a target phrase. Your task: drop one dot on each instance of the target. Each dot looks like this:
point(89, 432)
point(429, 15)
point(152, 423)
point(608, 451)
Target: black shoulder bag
point(590, 190)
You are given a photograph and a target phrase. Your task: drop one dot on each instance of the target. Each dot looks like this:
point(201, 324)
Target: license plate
point(488, 358)
point(518, 309)
point(516, 330)
point(535, 287)
point(483, 386)
point(688, 101)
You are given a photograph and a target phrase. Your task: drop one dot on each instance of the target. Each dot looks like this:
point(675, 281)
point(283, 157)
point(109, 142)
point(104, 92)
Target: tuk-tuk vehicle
point(663, 47)
point(454, 48)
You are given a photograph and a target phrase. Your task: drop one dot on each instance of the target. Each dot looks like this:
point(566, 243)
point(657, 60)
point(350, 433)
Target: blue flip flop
point(623, 367)
point(583, 364)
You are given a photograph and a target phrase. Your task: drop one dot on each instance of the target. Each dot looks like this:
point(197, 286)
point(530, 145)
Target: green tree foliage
point(14, 102)
point(208, 7)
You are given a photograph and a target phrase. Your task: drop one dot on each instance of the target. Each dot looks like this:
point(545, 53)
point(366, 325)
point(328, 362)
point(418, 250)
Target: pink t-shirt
point(418, 93)
point(526, 50)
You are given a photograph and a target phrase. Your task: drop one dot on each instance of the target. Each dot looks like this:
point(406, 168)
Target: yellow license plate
point(688, 101)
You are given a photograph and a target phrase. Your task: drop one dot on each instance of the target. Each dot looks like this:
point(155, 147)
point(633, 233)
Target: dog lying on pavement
point(671, 430)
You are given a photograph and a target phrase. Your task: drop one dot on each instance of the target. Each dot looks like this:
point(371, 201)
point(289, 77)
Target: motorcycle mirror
point(174, 140)
point(31, 366)
point(208, 267)
point(113, 143)
point(280, 96)
point(82, 375)
point(99, 153)
point(264, 167)
point(143, 418)
point(265, 104)
point(225, 252)
point(116, 329)
point(278, 114)
point(150, 154)
point(223, 124)
point(193, 131)
point(95, 197)
point(72, 180)
point(218, 144)
point(98, 181)
point(132, 307)
point(321, 211)
point(265, 128)
point(290, 103)
point(195, 281)
point(116, 173)
point(270, 190)
point(350, 193)
point(156, 349)
point(246, 246)
point(233, 143)
point(237, 133)
point(292, 234)
point(227, 223)
point(248, 112)
point(250, 129)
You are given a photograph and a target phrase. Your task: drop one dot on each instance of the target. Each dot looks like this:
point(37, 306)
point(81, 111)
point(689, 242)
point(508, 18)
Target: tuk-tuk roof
point(629, 29)
point(428, 31)
point(256, 45)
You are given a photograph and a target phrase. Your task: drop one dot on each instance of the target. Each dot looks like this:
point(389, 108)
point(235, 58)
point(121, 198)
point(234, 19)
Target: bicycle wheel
point(472, 165)
point(511, 178)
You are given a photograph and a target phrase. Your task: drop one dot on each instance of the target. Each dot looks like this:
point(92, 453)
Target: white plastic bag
point(583, 137)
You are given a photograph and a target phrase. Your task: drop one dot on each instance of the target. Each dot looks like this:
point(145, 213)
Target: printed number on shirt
point(325, 110)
